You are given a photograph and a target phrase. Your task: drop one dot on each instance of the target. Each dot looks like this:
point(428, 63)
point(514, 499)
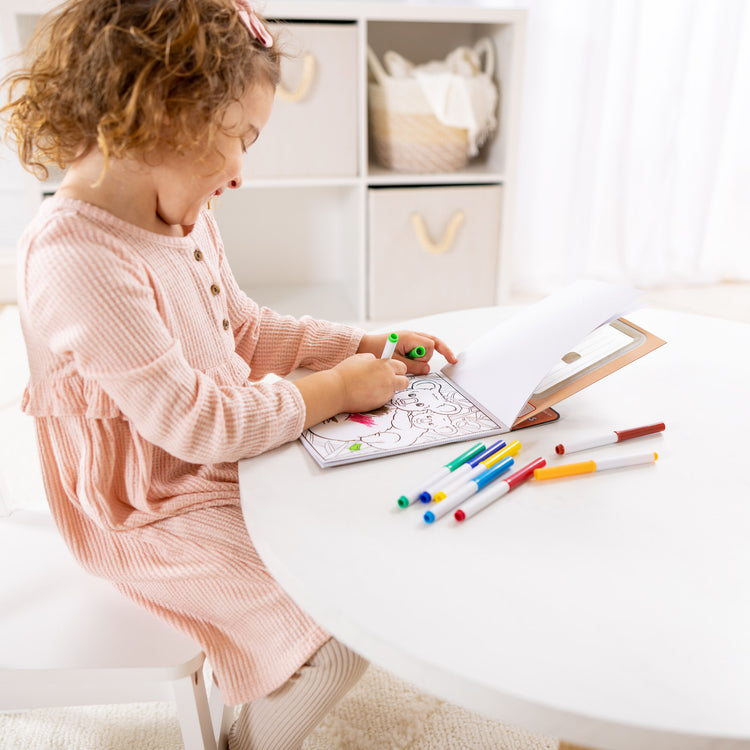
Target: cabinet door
point(313, 127)
point(432, 249)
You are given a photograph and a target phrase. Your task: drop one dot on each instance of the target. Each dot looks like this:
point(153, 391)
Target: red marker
point(496, 490)
point(617, 436)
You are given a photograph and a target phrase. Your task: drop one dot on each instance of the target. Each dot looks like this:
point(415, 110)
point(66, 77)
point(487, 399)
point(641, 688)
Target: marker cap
point(648, 429)
point(493, 473)
point(466, 456)
point(525, 472)
point(565, 470)
point(485, 454)
point(510, 450)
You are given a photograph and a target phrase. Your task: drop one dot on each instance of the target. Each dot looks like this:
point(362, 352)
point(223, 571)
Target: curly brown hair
point(130, 75)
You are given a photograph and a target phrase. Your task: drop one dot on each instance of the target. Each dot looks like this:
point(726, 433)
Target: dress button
point(215, 289)
point(225, 323)
point(198, 254)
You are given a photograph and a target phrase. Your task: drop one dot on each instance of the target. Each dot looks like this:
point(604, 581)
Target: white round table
point(611, 609)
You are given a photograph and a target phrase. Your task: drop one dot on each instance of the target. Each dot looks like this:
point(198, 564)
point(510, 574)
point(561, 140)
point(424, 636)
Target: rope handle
point(437, 248)
point(309, 66)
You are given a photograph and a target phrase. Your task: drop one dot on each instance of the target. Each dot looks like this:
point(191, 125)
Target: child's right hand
point(368, 382)
point(357, 384)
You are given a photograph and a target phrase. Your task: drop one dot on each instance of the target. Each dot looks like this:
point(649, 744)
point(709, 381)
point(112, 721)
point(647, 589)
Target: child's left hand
point(407, 342)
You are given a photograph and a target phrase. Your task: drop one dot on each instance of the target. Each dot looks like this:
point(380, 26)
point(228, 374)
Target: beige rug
point(380, 713)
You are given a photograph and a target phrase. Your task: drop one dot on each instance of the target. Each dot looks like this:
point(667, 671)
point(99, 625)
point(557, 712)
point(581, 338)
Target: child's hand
point(407, 341)
point(357, 384)
point(368, 382)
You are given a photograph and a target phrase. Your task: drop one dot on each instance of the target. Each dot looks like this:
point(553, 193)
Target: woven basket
point(404, 133)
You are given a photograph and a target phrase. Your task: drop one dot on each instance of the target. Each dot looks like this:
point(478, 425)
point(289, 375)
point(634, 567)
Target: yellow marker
point(510, 450)
point(586, 467)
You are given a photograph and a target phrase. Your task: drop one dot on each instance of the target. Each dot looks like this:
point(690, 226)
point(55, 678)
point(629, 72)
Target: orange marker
point(586, 467)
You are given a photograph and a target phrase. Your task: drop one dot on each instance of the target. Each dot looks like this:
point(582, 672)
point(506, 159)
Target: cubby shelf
point(318, 227)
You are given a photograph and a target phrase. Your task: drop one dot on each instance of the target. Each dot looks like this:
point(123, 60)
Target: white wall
point(634, 159)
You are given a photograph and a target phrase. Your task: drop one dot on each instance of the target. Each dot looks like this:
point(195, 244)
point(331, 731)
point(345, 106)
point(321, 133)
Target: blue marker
point(467, 490)
point(407, 499)
point(461, 471)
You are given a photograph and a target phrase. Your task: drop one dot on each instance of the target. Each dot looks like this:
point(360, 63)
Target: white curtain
point(634, 163)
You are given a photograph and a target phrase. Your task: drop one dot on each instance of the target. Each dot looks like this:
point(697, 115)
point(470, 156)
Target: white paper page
point(502, 368)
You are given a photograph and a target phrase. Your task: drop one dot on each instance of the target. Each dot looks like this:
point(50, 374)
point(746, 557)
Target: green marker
point(416, 352)
point(405, 500)
point(390, 346)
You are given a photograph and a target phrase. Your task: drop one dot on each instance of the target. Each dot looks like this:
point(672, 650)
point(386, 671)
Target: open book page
point(431, 411)
point(502, 368)
point(601, 353)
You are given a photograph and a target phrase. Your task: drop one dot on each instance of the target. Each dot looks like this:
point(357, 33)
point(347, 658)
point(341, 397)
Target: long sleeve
point(109, 314)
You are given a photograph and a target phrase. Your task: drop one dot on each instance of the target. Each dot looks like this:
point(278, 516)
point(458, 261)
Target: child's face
point(184, 185)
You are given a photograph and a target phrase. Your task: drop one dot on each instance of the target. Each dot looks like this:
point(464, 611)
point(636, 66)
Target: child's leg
point(282, 719)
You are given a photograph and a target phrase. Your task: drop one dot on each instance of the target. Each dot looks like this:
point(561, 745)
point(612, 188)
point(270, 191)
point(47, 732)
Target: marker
point(617, 436)
point(459, 476)
point(586, 467)
point(416, 352)
point(408, 498)
point(390, 346)
point(489, 494)
point(482, 464)
point(467, 490)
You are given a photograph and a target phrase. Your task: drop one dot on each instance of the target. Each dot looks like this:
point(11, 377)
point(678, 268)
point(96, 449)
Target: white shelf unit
point(317, 227)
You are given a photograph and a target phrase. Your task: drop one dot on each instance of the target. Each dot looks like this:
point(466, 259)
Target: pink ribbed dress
point(145, 359)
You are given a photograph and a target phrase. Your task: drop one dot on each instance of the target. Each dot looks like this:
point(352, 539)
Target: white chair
point(68, 638)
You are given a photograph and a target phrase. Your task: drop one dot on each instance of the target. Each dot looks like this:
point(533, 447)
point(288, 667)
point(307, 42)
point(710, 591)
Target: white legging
point(283, 719)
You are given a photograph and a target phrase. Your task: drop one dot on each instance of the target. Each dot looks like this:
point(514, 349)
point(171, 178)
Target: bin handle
point(437, 248)
point(308, 74)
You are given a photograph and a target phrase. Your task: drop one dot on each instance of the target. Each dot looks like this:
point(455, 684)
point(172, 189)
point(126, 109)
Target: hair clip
point(254, 24)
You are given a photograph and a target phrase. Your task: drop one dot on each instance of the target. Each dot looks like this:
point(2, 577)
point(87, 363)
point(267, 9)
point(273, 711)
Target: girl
point(146, 359)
